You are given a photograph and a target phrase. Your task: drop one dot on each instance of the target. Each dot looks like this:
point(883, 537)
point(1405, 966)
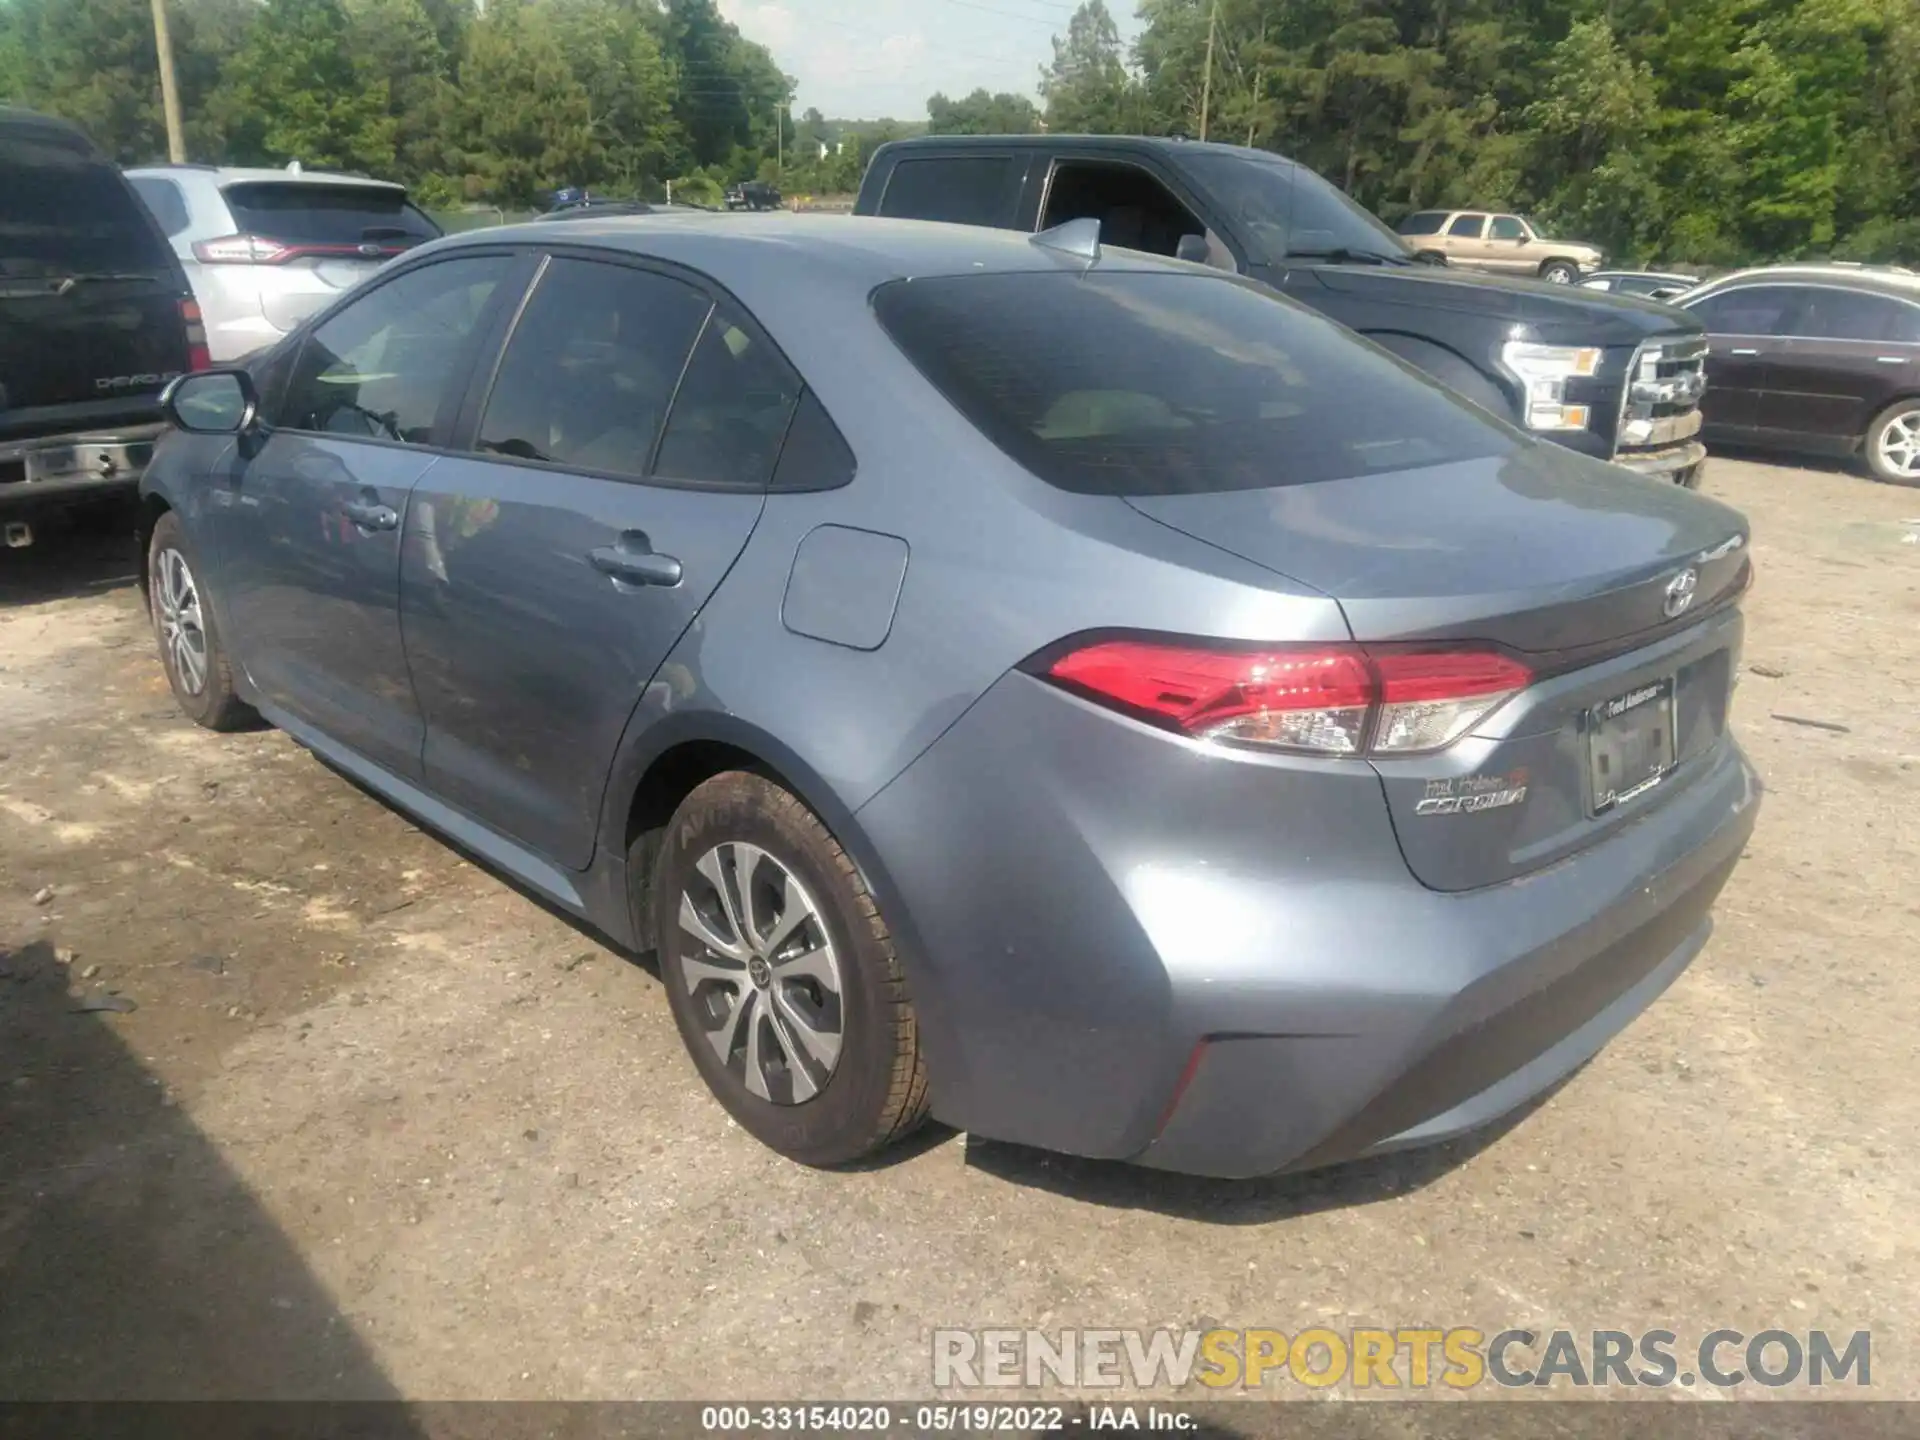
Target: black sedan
point(1816, 359)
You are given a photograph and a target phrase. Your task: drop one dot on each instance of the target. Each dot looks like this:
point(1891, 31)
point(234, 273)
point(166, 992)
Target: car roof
point(1643, 274)
point(784, 249)
point(1166, 144)
point(234, 174)
point(1882, 280)
point(45, 128)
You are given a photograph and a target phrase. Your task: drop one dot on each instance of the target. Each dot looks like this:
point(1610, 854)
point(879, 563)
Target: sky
point(870, 59)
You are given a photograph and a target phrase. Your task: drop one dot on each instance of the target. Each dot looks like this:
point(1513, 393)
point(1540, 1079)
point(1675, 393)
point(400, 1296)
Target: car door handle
point(371, 515)
point(1891, 359)
point(635, 562)
point(1743, 352)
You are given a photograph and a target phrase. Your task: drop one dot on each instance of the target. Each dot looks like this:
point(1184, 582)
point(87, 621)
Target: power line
point(1005, 14)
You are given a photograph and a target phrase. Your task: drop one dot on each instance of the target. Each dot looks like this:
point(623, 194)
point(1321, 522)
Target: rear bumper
point(1220, 964)
point(53, 467)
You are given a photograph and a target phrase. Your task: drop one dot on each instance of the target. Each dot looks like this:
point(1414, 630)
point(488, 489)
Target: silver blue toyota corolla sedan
point(1081, 696)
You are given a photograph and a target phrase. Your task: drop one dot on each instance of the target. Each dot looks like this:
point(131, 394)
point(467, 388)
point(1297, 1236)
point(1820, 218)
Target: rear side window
point(964, 189)
point(1467, 227)
point(1427, 222)
point(731, 412)
point(164, 199)
point(307, 213)
point(591, 368)
point(67, 212)
point(1830, 314)
point(1133, 383)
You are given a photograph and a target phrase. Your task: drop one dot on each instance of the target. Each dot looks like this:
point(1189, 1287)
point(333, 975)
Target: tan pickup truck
point(1497, 244)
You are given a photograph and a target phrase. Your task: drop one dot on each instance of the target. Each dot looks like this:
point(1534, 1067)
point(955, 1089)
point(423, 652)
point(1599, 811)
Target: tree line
point(493, 103)
point(1713, 132)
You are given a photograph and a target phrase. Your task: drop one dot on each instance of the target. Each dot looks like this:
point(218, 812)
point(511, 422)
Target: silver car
point(264, 249)
point(1082, 695)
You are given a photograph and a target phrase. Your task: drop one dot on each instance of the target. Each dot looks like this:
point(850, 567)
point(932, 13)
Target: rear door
point(1845, 353)
point(1744, 327)
point(1462, 240)
point(91, 327)
point(615, 465)
point(307, 526)
point(322, 237)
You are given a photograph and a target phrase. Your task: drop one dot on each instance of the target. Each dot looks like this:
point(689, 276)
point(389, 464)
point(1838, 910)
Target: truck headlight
point(1545, 370)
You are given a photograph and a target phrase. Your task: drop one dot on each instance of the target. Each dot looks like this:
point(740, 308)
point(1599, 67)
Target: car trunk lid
point(1617, 592)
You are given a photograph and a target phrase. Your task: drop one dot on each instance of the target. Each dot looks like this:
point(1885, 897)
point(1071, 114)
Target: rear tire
point(1893, 443)
point(782, 975)
point(1559, 272)
point(192, 651)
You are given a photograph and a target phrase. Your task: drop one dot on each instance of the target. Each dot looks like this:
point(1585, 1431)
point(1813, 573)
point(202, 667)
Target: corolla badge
point(1680, 591)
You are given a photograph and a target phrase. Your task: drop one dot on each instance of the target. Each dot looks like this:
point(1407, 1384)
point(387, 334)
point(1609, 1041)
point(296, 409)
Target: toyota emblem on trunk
point(1680, 592)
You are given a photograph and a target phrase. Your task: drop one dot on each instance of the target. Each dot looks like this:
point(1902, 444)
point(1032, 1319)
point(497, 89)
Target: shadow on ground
point(84, 552)
point(1243, 1202)
point(134, 1263)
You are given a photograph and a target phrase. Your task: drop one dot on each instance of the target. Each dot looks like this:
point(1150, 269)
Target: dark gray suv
point(996, 677)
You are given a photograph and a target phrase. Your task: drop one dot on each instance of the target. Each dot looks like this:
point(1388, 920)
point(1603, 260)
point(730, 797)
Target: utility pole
point(169, 92)
point(1206, 85)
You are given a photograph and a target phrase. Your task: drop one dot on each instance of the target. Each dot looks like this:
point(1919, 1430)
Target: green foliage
point(495, 104)
point(982, 114)
point(1709, 131)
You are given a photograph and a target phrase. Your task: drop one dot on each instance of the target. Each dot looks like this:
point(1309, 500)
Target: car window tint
point(380, 368)
point(591, 368)
point(815, 455)
point(65, 211)
point(964, 189)
point(1750, 310)
point(1427, 222)
point(1134, 383)
point(164, 199)
point(732, 410)
point(1829, 314)
point(310, 213)
point(1507, 227)
point(1467, 226)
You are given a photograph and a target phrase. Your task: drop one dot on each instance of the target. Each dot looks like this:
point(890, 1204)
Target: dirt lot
point(382, 1125)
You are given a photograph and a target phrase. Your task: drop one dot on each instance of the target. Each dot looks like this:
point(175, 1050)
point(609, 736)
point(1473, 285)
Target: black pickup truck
point(95, 318)
point(1607, 375)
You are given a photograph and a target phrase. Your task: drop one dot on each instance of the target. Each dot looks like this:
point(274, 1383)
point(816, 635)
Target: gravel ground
point(382, 1125)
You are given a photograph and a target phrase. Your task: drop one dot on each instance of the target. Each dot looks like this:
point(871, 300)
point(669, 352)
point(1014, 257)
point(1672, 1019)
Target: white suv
point(263, 249)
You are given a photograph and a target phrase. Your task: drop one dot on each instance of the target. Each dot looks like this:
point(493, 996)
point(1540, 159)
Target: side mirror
point(211, 402)
point(1193, 249)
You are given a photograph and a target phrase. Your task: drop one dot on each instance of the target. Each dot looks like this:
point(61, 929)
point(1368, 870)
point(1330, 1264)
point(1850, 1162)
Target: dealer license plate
point(1630, 744)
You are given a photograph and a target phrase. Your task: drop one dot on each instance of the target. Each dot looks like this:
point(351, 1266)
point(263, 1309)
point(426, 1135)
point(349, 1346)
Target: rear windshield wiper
point(1342, 255)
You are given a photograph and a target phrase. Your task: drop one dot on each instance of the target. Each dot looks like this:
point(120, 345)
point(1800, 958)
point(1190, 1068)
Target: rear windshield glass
point(64, 212)
point(1135, 383)
point(313, 214)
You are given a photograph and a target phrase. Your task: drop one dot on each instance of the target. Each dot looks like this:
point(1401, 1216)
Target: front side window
point(1132, 383)
point(591, 368)
point(1507, 227)
point(1467, 227)
point(1750, 310)
point(381, 368)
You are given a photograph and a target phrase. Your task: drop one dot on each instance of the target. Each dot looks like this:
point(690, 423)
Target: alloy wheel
point(183, 632)
point(760, 966)
point(1898, 444)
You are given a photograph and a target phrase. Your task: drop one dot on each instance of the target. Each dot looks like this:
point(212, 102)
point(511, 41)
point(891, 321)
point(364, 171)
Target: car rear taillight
point(1320, 699)
point(243, 250)
point(198, 356)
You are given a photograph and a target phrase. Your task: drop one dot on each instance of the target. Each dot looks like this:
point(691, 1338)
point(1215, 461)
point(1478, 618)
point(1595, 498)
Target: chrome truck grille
point(1661, 403)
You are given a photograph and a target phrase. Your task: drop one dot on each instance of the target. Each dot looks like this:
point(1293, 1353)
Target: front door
point(1505, 248)
point(1744, 333)
point(615, 471)
point(307, 520)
